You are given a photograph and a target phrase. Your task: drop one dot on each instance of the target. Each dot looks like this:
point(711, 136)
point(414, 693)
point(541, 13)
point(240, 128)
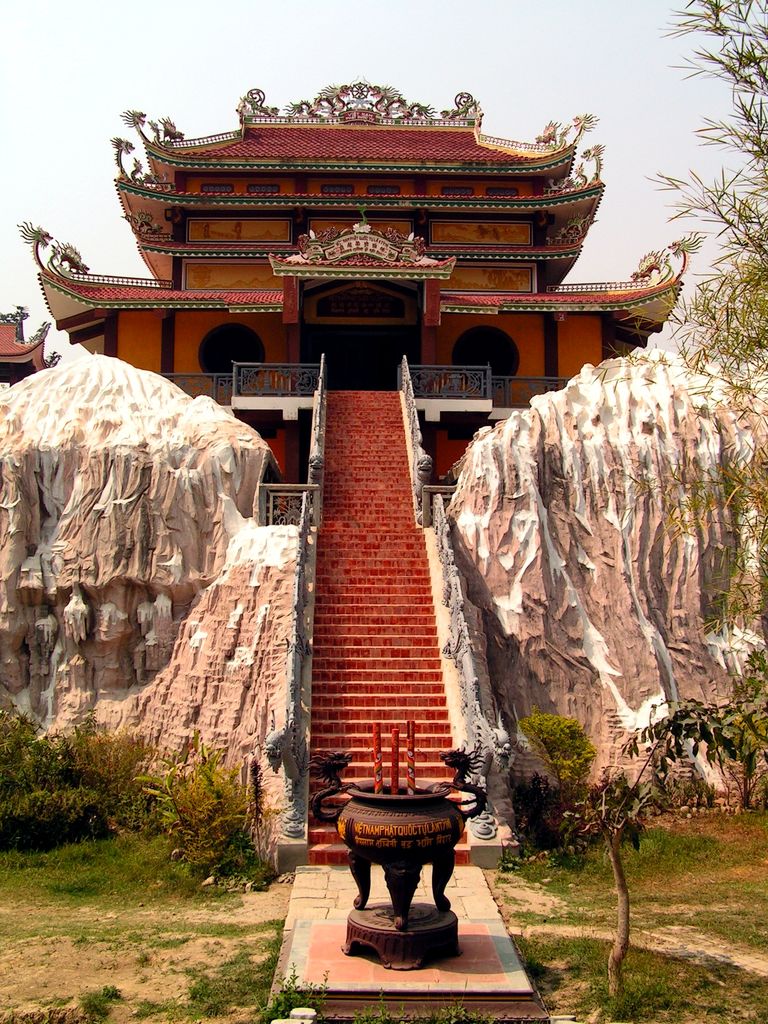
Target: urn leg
point(402, 878)
point(361, 872)
point(442, 869)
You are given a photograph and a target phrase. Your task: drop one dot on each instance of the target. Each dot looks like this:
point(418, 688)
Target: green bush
point(539, 812)
point(58, 789)
point(207, 812)
point(563, 746)
point(42, 819)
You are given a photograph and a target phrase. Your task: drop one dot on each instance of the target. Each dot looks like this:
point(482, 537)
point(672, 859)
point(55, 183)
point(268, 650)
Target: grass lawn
point(701, 882)
point(116, 928)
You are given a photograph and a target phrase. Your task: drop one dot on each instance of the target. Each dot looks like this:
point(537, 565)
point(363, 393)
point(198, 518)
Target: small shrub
point(686, 793)
point(539, 811)
point(563, 746)
point(42, 819)
point(291, 995)
point(112, 764)
point(96, 1005)
point(58, 789)
point(207, 813)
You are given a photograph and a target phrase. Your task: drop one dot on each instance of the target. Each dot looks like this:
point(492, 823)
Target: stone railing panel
point(517, 392)
point(275, 379)
point(215, 385)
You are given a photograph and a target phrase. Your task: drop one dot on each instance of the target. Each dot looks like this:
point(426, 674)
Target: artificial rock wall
point(591, 604)
point(133, 580)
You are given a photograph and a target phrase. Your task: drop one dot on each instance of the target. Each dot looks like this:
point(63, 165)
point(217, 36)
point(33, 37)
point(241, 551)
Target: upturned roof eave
point(578, 302)
point(187, 299)
point(352, 203)
point(528, 162)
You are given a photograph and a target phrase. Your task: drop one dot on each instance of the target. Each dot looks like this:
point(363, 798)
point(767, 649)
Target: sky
point(70, 69)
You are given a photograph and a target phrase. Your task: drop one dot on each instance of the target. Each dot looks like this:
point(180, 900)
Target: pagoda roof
point(652, 291)
point(357, 125)
point(333, 145)
point(13, 346)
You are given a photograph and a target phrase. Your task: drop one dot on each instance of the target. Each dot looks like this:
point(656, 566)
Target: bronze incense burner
point(402, 832)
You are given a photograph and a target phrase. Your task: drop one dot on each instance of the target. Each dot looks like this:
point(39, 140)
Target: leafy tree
point(723, 328)
point(563, 746)
point(613, 810)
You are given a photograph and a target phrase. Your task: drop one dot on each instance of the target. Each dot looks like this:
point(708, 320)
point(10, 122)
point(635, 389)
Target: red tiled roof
point(9, 346)
point(137, 293)
point(617, 295)
point(310, 142)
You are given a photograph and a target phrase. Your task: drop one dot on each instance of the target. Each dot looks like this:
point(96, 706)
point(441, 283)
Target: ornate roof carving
point(359, 247)
point(362, 103)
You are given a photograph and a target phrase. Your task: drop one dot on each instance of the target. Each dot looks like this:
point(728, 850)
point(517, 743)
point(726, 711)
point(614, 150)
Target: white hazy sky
point(70, 68)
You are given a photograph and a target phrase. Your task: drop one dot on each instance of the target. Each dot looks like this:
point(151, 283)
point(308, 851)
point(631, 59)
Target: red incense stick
point(410, 756)
point(378, 764)
point(395, 783)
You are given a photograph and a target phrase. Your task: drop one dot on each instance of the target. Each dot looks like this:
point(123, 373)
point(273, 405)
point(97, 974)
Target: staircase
point(375, 650)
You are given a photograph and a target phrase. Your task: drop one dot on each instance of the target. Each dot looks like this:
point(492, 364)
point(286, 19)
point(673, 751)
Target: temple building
point(18, 357)
point(364, 228)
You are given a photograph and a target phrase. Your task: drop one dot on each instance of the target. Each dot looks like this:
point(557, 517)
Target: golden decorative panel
point(249, 230)
point(490, 279)
point(231, 275)
point(465, 232)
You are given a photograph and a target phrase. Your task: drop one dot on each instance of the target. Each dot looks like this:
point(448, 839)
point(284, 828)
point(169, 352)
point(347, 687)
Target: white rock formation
point(132, 578)
point(590, 603)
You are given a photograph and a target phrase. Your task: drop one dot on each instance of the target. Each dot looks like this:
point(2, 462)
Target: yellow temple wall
point(138, 338)
point(525, 329)
point(579, 341)
point(192, 327)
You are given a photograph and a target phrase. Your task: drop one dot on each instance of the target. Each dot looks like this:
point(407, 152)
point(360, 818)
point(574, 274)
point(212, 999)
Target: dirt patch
point(515, 896)
point(146, 953)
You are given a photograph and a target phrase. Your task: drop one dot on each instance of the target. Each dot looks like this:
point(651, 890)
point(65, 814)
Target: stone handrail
point(483, 730)
point(428, 495)
point(316, 468)
point(143, 282)
point(597, 286)
point(530, 147)
point(287, 747)
point(421, 463)
point(204, 140)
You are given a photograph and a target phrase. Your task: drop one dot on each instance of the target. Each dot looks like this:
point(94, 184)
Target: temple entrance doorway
point(361, 358)
point(364, 328)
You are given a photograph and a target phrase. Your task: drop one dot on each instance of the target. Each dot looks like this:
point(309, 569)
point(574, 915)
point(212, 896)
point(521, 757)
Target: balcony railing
point(269, 380)
point(450, 381)
point(516, 392)
point(292, 380)
point(215, 385)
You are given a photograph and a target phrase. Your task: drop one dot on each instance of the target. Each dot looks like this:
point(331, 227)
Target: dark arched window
point(482, 345)
point(230, 343)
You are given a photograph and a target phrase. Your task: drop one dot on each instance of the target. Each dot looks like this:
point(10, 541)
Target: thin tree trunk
point(621, 940)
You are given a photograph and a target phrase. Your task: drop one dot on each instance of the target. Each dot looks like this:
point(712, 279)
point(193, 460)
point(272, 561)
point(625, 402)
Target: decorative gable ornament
point(361, 103)
point(336, 244)
point(363, 252)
